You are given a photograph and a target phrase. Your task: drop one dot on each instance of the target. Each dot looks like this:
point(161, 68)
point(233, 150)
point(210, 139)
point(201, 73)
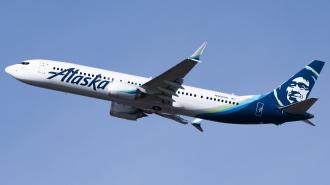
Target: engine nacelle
point(125, 111)
point(122, 90)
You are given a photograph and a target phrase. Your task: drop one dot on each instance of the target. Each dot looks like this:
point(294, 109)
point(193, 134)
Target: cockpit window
point(25, 63)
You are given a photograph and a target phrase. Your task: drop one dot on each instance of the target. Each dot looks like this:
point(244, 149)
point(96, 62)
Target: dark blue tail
point(298, 87)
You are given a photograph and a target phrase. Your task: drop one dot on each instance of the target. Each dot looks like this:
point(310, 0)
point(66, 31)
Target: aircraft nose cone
point(12, 70)
point(9, 70)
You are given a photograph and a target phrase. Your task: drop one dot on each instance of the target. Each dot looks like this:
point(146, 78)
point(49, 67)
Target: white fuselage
point(189, 101)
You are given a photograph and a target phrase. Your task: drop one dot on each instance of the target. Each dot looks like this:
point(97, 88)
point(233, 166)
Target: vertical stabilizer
point(298, 87)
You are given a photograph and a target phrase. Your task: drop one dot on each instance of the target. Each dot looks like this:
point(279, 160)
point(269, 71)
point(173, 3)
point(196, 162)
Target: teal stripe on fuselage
point(234, 108)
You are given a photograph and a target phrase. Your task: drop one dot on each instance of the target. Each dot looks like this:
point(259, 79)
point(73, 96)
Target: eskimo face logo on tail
point(71, 76)
point(297, 90)
point(298, 87)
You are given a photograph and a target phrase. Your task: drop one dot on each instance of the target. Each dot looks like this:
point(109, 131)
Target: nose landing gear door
point(42, 67)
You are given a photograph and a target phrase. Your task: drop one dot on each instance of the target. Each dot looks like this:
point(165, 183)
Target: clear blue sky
point(53, 138)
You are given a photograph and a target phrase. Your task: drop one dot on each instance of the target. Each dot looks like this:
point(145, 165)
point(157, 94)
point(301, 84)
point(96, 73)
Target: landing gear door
point(42, 67)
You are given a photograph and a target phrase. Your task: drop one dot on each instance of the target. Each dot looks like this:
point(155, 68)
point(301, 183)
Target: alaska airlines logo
point(71, 76)
point(297, 90)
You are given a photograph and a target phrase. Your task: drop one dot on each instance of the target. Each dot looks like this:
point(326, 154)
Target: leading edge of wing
point(173, 75)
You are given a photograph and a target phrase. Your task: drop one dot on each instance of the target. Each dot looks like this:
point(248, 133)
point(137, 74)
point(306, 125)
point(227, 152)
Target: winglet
point(196, 55)
point(197, 124)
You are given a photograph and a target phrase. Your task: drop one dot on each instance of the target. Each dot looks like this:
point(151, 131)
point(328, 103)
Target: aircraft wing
point(166, 84)
point(196, 122)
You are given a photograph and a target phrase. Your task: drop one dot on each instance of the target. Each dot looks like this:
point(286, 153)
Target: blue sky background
point(49, 137)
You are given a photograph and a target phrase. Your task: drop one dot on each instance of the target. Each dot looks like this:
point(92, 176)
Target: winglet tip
point(198, 127)
point(197, 124)
point(196, 55)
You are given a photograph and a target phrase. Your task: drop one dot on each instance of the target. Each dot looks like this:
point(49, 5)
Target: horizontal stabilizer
point(300, 107)
point(309, 122)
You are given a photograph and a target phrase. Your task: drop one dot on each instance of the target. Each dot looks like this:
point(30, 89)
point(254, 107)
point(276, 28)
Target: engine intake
point(126, 111)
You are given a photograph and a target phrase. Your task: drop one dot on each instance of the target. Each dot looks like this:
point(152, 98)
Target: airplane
point(135, 97)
